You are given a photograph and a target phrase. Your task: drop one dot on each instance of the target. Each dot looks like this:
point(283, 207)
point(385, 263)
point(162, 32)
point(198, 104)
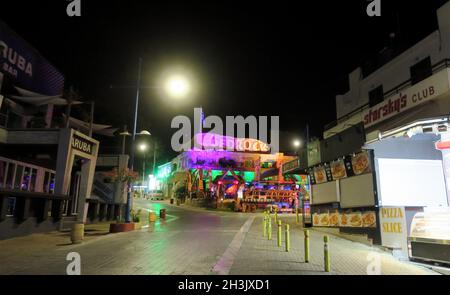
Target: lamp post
point(176, 86)
point(297, 144)
point(143, 149)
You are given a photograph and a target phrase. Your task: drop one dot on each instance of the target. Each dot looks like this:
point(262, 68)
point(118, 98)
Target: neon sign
point(211, 141)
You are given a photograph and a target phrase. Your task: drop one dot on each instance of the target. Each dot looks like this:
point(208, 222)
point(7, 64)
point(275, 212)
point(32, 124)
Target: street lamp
point(176, 86)
point(126, 134)
point(297, 143)
point(143, 148)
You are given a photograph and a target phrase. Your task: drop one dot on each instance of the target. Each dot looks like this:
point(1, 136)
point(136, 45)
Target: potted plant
point(122, 177)
point(136, 218)
point(121, 226)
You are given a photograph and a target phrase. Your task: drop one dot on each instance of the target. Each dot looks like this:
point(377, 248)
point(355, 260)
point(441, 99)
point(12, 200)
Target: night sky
point(260, 58)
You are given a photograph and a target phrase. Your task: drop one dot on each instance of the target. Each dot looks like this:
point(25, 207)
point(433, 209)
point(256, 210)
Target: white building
point(399, 116)
point(420, 73)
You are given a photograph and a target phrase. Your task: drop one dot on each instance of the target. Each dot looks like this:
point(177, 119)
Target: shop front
point(412, 177)
point(246, 178)
point(344, 195)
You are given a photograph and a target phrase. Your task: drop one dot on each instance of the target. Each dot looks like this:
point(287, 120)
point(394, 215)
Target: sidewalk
point(258, 255)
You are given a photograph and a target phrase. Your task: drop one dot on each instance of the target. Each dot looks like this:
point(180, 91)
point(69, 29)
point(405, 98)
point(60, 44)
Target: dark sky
point(259, 58)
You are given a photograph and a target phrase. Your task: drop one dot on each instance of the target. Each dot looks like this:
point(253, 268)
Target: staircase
point(103, 191)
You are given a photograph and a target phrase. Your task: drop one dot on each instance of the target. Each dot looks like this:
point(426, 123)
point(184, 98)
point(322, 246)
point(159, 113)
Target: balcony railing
point(408, 83)
point(22, 205)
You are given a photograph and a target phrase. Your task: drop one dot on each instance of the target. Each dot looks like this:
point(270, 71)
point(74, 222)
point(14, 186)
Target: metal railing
point(21, 205)
point(445, 63)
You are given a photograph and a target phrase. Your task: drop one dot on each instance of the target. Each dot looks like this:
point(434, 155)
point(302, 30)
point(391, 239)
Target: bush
point(136, 216)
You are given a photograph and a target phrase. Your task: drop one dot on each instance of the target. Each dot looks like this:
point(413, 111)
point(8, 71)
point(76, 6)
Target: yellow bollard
point(306, 232)
point(151, 217)
point(279, 233)
point(288, 239)
point(296, 215)
point(269, 229)
point(326, 254)
point(264, 225)
point(276, 216)
point(77, 233)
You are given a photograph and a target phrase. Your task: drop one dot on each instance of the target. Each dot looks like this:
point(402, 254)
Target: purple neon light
point(212, 141)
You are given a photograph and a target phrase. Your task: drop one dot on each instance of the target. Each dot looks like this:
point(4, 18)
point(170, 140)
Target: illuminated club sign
point(211, 141)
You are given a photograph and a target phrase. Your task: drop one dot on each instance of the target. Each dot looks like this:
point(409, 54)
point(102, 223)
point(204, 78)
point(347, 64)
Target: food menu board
point(361, 163)
point(333, 219)
point(350, 165)
point(344, 219)
point(338, 170)
point(320, 174)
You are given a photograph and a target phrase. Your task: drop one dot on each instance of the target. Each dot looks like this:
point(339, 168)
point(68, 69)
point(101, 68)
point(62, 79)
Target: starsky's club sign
point(393, 106)
point(405, 100)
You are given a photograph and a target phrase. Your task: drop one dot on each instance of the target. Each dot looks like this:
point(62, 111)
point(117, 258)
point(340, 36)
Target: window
point(376, 96)
point(421, 70)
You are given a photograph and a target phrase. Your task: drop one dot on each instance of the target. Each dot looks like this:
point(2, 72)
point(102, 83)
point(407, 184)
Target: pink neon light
point(219, 142)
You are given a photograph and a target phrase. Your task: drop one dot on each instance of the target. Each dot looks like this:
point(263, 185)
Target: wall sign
point(291, 165)
point(393, 228)
point(211, 141)
point(82, 145)
point(350, 165)
point(407, 99)
point(25, 67)
point(366, 219)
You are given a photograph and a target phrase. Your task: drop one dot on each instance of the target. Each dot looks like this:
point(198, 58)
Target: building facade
point(382, 169)
point(47, 168)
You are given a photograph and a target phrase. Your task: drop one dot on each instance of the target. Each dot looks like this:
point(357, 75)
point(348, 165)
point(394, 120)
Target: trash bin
point(171, 201)
point(178, 202)
point(162, 213)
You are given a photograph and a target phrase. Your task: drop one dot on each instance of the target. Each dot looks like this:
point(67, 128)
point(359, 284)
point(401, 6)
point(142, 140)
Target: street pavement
point(194, 241)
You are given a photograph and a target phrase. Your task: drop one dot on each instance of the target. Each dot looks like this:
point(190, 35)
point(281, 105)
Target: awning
point(101, 129)
point(37, 99)
point(44, 100)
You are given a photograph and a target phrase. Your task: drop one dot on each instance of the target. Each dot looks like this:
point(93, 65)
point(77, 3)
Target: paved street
point(192, 241)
